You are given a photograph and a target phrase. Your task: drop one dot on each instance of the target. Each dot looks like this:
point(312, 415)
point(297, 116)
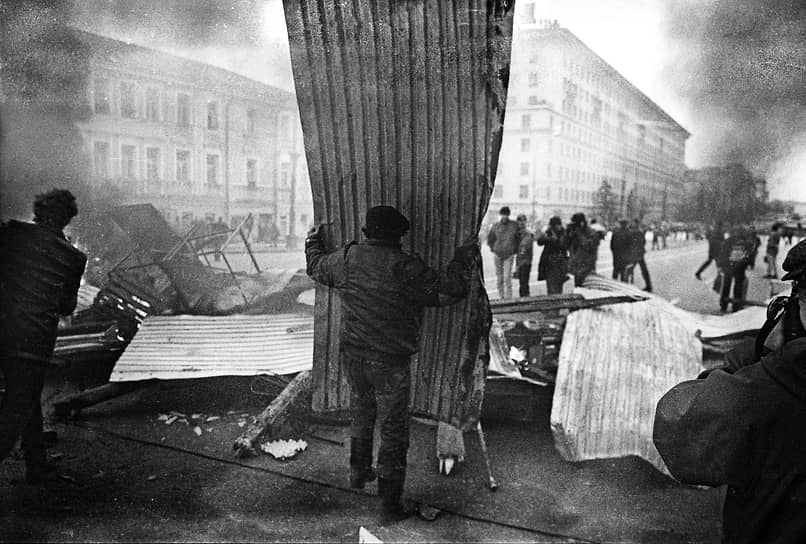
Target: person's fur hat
point(385, 222)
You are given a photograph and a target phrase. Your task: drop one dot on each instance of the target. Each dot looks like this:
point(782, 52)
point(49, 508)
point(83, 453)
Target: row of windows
point(135, 104)
point(565, 194)
point(129, 165)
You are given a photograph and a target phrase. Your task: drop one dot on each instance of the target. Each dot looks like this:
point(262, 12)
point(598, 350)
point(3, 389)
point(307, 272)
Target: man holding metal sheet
point(40, 272)
point(383, 292)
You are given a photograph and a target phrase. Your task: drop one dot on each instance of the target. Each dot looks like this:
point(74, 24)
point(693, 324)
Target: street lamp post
point(294, 155)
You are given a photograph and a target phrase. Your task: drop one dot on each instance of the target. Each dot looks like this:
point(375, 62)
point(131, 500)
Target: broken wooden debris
point(275, 414)
point(548, 303)
point(69, 405)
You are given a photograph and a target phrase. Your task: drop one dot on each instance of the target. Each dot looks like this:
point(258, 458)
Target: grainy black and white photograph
point(403, 271)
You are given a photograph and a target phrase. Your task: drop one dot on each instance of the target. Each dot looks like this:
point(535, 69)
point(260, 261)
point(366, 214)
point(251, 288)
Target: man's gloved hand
point(315, 231)
point(466, 253)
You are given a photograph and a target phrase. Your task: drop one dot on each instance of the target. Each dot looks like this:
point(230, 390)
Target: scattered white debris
point(162, 417)
point(195, 416)
point(365, 537)
point(197, 430)
point(284, 449)
point(241, 423)
point(152, 477)
point(171, 420)
point(211, 418)
point(177, 414)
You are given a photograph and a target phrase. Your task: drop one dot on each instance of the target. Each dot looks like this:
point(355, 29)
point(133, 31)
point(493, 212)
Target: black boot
point(361, 471)
point(392, 508)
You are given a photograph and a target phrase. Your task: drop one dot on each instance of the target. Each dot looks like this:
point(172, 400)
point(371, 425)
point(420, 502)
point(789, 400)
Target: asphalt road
point(672, 272)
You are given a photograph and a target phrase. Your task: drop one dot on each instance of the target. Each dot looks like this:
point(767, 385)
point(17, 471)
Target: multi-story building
point(196, 141)
point(572, 123)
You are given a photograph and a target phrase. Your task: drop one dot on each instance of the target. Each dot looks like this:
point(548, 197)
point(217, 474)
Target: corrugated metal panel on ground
point(706, 326)
point(85, 296)
point(402, 103)
point(615, 364)
point(180, 347)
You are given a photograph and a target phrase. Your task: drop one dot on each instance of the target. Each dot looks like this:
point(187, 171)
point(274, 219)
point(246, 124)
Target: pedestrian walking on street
point(583, 248)
point(620, 246)
point(655, 237)
point(715, 237)
point(733, 262)
point(503, 241)
point(553, 264)
point(383, 291)
point(523, 260)
point(638, 251)
point(771, 258)
point(40, 272)
point(741, 425)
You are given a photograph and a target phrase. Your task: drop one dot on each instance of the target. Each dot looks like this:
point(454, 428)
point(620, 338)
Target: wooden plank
point(399, 97)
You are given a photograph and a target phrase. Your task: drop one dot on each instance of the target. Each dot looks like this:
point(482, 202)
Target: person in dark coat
point(741, 425)
point(40, 273)
point(715, 237)
point(620, 246)
point(638, 251)
point(733, 262)
point(523, 259)
point(383, 291)
point(553, 264)
point(583, 248)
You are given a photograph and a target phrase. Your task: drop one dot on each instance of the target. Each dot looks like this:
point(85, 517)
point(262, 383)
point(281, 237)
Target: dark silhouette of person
point(40, 273)
point(553, 264)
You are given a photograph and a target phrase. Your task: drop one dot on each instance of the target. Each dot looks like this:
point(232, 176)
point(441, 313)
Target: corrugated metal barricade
point(402, 104)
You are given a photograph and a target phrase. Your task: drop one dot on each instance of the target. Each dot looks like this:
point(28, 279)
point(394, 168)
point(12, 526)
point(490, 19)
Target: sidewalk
point(129, 476)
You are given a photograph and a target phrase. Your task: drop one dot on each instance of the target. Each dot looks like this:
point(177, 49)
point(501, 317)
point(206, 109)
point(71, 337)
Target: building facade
point(572, 123)
point(198, 142)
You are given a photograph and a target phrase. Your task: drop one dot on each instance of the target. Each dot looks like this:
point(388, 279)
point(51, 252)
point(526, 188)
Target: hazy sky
point(732, 72)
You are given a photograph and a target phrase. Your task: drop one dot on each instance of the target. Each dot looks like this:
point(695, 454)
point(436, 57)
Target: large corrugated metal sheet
point(402, 103)
point(705, 326)
point(181, 347)
point(615, 364)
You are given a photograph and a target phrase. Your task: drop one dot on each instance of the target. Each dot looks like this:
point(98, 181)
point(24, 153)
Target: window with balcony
point(251, 173)
point(251, 117)
point(183, 166)
point(523, 192)
point(212, 115)
point(100, 159)
point(128, 100)
point(533, 100)
point(152, 163)
point(128, 161)
point(212, 170)
point(152, 104)
point(101, 95)
point(183, 110)
point(525, 142)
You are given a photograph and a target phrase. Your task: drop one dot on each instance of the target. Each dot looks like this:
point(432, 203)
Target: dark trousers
point(705, 265)
point(21, 411)
point(645, 274)
point(380, 392)
point(523, 272)
point(734, 275)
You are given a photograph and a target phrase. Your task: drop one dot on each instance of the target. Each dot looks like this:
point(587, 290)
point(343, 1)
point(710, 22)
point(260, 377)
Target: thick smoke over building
point(740, 65)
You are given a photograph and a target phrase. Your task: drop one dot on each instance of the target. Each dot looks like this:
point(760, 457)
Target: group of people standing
point(628, 245)
point(572, 249)
point(734, 255)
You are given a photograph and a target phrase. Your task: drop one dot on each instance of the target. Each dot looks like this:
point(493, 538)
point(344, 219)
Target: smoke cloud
point(740, 65)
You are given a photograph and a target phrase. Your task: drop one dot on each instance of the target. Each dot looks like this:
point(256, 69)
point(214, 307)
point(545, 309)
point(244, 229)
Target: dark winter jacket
point(383, 291)
point(736, 252)
point(715, 240)
point(583, 249)
point(745, 430)
point(620, 246)
point(503, 239)
point(526, 242)
point(40, 272)
point(637, 247)
point(554, 258)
